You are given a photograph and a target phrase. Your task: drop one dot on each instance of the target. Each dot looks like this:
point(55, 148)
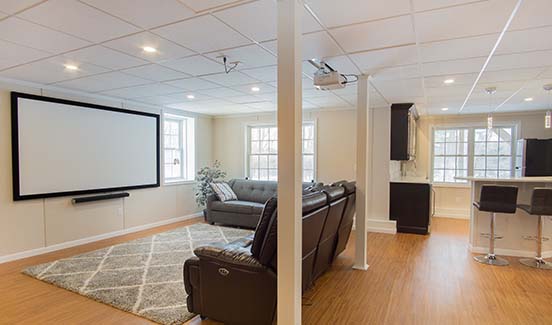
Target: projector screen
point(62, 147)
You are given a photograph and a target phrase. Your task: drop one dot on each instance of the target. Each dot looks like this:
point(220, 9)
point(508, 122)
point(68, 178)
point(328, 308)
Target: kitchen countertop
point(410, 179)
point(547, 179)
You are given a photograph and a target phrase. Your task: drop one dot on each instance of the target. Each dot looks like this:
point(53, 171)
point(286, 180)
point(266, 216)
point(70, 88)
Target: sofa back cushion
point(262, 227)
point(254, 191)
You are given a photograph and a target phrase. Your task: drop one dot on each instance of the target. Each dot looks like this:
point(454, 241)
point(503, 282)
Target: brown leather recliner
point(246, 269)
point(346, 225)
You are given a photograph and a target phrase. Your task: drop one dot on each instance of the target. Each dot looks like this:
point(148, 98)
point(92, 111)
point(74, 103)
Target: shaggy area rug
point(143, 276)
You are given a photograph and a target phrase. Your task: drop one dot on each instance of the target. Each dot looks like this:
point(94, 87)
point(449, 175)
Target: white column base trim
point(381, 226)
point(452, 213)
point(508, 252)
point(361, 267)
point(82, 241)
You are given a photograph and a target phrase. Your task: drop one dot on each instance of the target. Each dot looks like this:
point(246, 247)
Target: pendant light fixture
point(490, 91)
point(548, 116)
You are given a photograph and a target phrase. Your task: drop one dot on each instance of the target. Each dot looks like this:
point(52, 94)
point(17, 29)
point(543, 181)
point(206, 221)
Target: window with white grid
point(450, 155)
point(263, 152)
point(493, 152)
point(178, 155)
point(476, 151)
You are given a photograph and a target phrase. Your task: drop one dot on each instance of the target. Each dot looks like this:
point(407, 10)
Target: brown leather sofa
point(235, 283)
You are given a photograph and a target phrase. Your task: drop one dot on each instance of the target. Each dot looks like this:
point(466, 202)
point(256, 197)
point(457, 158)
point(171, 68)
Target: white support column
point(362, 171)
point(289, 161)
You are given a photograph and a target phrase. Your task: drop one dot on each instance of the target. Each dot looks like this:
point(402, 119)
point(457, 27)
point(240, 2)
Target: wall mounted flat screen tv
point(62, 147)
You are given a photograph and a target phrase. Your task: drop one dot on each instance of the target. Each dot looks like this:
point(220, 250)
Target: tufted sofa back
point(257, 191)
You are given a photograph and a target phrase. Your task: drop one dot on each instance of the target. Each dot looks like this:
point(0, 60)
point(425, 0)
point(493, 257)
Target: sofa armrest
point(234, 254)
point(192, 285)
point(210, 199)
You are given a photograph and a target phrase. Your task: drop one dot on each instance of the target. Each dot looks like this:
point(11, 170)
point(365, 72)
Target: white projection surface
point(68, 148)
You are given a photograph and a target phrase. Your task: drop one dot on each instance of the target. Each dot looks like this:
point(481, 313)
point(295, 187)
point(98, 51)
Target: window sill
point(451, 185)
point(176, 182)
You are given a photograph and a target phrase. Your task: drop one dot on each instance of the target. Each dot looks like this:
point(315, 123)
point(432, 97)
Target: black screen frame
point(17, 196)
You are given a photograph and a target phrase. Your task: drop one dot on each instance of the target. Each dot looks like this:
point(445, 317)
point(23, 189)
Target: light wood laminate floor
point(412, 279)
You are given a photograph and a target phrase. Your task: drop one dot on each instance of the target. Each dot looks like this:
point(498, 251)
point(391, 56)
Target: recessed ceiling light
point(449, 81)
point(444, 109)
point(149, 49)
point(190, 96)
point(255, 89)
point(528, 99)
point(71, 67)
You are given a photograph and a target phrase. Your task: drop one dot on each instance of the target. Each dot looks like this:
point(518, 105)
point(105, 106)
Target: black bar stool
point(541, 205)
point(495, 199)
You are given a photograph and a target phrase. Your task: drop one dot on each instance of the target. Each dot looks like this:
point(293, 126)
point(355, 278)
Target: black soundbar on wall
point(100, 197)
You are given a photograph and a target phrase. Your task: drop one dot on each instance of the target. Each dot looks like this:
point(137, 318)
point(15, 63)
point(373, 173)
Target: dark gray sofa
point(246, 211)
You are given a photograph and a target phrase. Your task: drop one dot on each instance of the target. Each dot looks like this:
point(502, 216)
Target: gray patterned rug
point(143, 276)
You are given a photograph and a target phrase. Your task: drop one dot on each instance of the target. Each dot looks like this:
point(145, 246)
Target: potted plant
point(205, 176)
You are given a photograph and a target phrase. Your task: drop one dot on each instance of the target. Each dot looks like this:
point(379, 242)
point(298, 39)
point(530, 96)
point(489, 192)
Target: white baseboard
point(56, 247)
point(381, 226)
point(508, 252)
point(452, 213)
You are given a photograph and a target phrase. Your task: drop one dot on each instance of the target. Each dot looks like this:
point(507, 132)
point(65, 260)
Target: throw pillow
point(224, 191)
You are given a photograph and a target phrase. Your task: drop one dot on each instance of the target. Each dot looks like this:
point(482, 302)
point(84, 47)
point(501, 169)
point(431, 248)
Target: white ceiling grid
point(409, 47)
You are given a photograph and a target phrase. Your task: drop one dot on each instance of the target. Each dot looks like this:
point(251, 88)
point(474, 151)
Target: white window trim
point(189, 146)
point(247, 144)
point(517, 132)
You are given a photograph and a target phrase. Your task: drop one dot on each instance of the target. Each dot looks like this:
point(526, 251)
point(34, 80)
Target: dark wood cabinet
point(403, 131)
point(410, 205)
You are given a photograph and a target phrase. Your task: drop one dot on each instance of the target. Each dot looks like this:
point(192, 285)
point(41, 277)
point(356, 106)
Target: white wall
point(35, 224)
point(454, 201)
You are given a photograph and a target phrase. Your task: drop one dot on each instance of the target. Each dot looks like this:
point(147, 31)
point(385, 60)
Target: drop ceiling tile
point(263, 89)
point(182, 97)
point(144, 13)
point(510, 75)
point(445, 68)
point(376, 34)
point(28, 34)
point(459, 79)
point(520, 60)
point(422, 5)
point(192, 84)
point(13, 54)
point(399, 72)
point(51, 70)
point(478, 18)
point(397, 90)
point(456, 90)
point(14, 6)
point(158, 100)
point(155, 72)
point(531, 14)
point(103, 82)
point(317, 45)
point(104, 57)
point(78, 19)
point(250, 56)
point(462, 48)
point(245, 99)
point(202, 5)
point(346, 12)
point(134, 45)
point(342, 64)
point(328, 100)
point(155, 89)
point(263, 106)
point(202, 34)
point(258, 20)
point(220, 92)
point(526, 40)
point(234, 78)
point(264, 74)
point(373, 61)
point(194, 65)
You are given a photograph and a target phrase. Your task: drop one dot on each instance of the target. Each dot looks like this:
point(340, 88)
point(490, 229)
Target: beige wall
point(455, 201)
point(33, 224)
point(335, 142)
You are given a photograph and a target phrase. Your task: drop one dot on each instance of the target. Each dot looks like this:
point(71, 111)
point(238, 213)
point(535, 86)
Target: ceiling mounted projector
point(327, 78)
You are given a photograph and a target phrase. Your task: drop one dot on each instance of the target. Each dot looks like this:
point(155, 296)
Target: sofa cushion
point(262, 226)
point(254, 191)
point(243, 207)
point(223, 191)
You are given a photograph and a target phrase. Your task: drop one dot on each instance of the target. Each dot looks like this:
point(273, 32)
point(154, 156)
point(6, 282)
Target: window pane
point(265, 146)
point(492, 135)
point(254, 134)
point(492, 163)
point(463, 148)
point(450, 163)
point(439, 162)
point(273, 174)
point(265, 133)
point(308, 162)
point(462, 163)
point(254, 173)
point(505, 134)
point(438, 175)
point(451, 135)
point(263, 161)
point(273, 147)
point(451, 148)
point(463, 135)
point(449, 175)
point(273, 134)
point(439, 149)
point(505, 148)
point(308, 175)
point(308, 132)
point(479, 148)
point(254, 161)
point(308, 146)
point(439, 136)
point(273, 161)
point(491, 174)
point(492, 148)
point(255, 147)
point(479, 173)
point(461, 173)
point(480, 134)
point(505, 163)
point(479, 162)
point(263, 174)
point(504, 174)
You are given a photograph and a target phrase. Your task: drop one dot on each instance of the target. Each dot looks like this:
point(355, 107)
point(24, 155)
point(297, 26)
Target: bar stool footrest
point(488, 235)
point(534, 238)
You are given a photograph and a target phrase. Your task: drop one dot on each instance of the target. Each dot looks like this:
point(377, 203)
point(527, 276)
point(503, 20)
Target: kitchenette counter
point(512, 227)
point(410, 179)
